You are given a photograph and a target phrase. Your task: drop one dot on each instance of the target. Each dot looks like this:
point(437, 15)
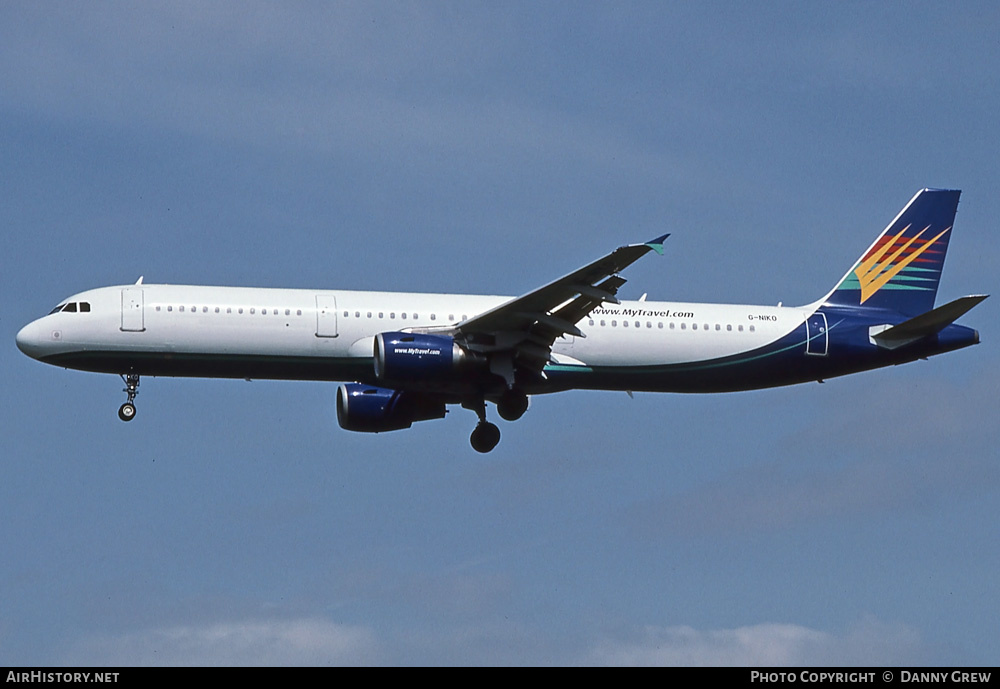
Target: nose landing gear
point(126, 412)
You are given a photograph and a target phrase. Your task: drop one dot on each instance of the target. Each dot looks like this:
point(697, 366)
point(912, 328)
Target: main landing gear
point(126, 412)
point(486, 435)
point(511, 406)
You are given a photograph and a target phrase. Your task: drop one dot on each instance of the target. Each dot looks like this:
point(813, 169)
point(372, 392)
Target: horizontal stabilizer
point(927, 323)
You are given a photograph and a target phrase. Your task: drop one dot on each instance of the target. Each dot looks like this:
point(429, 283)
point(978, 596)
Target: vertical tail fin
point(901, 270)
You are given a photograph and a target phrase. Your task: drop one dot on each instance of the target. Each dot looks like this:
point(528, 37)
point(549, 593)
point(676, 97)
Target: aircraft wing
point(527, 326)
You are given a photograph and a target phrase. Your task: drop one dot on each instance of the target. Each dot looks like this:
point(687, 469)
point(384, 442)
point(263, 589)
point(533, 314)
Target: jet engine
point(416, 358)
point(370, 409)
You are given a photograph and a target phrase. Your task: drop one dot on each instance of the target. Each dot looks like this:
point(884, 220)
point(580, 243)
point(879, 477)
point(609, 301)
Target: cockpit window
point(72, 307)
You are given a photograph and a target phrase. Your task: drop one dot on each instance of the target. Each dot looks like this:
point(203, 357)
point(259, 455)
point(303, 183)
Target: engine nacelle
point(410, 357)
point(370, 409)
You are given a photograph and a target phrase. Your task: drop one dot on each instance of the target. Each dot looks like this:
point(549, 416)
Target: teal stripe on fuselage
point(734, 360)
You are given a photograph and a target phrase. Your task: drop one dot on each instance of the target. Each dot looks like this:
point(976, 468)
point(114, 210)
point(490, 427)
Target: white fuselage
point(336, 328)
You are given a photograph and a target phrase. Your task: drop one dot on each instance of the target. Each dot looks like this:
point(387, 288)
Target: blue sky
point(484, 148)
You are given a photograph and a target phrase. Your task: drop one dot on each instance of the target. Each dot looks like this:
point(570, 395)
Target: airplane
point(405, 357)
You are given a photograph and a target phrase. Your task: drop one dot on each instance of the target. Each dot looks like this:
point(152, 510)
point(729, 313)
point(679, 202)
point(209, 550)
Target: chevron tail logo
point(876, 269)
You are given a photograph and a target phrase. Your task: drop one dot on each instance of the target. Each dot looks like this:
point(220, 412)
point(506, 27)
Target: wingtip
point(657, 244)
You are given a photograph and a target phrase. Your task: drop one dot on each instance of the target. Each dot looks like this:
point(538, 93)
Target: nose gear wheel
point(126, 412)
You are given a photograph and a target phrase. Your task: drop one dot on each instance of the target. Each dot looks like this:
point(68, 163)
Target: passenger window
point(403, 315)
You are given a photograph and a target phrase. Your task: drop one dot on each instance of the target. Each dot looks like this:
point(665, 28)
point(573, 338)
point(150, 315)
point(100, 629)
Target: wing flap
point(517, 336)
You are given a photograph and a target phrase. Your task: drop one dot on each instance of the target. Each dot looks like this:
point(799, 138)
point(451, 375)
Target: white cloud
point(317, 642)
point(308, 641)
point(869, 643)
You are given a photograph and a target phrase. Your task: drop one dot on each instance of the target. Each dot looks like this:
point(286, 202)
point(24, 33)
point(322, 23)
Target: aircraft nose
point(30, 341)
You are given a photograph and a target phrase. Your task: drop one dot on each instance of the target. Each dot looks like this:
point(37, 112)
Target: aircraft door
point(132, 310)
point(817, 337)
point(326, 315)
